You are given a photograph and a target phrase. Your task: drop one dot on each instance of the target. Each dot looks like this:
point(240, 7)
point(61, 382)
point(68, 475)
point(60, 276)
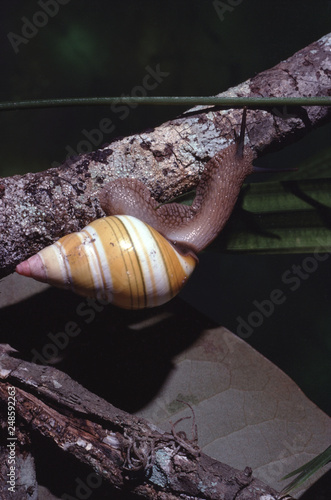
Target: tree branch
point(36, 209)
point(126, 451)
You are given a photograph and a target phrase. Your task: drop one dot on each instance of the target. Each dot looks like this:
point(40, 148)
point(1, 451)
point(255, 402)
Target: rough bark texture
point(36, 209)
point(128, 452)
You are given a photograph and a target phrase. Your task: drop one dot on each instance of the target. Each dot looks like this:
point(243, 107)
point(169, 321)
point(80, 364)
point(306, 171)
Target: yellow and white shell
point(119, 259)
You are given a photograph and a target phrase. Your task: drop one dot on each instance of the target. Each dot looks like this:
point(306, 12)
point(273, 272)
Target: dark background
point(102, 49)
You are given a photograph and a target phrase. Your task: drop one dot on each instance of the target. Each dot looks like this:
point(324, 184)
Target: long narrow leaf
point(281, 217)
point(307, 470)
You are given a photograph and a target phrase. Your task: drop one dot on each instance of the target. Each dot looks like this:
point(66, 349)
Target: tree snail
point(142, 256)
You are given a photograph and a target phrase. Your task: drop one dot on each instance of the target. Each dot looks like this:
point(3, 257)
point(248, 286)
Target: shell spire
point(32, 268)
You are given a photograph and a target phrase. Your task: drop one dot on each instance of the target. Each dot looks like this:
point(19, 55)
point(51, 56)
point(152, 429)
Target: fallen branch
point(128, 452)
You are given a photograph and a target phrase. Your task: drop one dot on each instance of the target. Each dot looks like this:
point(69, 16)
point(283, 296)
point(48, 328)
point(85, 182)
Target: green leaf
point(307, 470)
point(76, 50)
point(291, 216)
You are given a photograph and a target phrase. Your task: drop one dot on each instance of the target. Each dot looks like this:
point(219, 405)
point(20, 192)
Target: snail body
point(141, 255)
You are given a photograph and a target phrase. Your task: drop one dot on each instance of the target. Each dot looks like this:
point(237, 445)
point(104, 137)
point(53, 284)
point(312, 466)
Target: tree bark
point(128, 452)
point(36, 209)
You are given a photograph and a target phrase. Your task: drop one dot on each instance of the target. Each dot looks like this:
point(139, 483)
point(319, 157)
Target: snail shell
point(141, 255)
point(119, 259)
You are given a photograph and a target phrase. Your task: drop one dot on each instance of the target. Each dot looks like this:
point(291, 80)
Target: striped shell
point(119, 259)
